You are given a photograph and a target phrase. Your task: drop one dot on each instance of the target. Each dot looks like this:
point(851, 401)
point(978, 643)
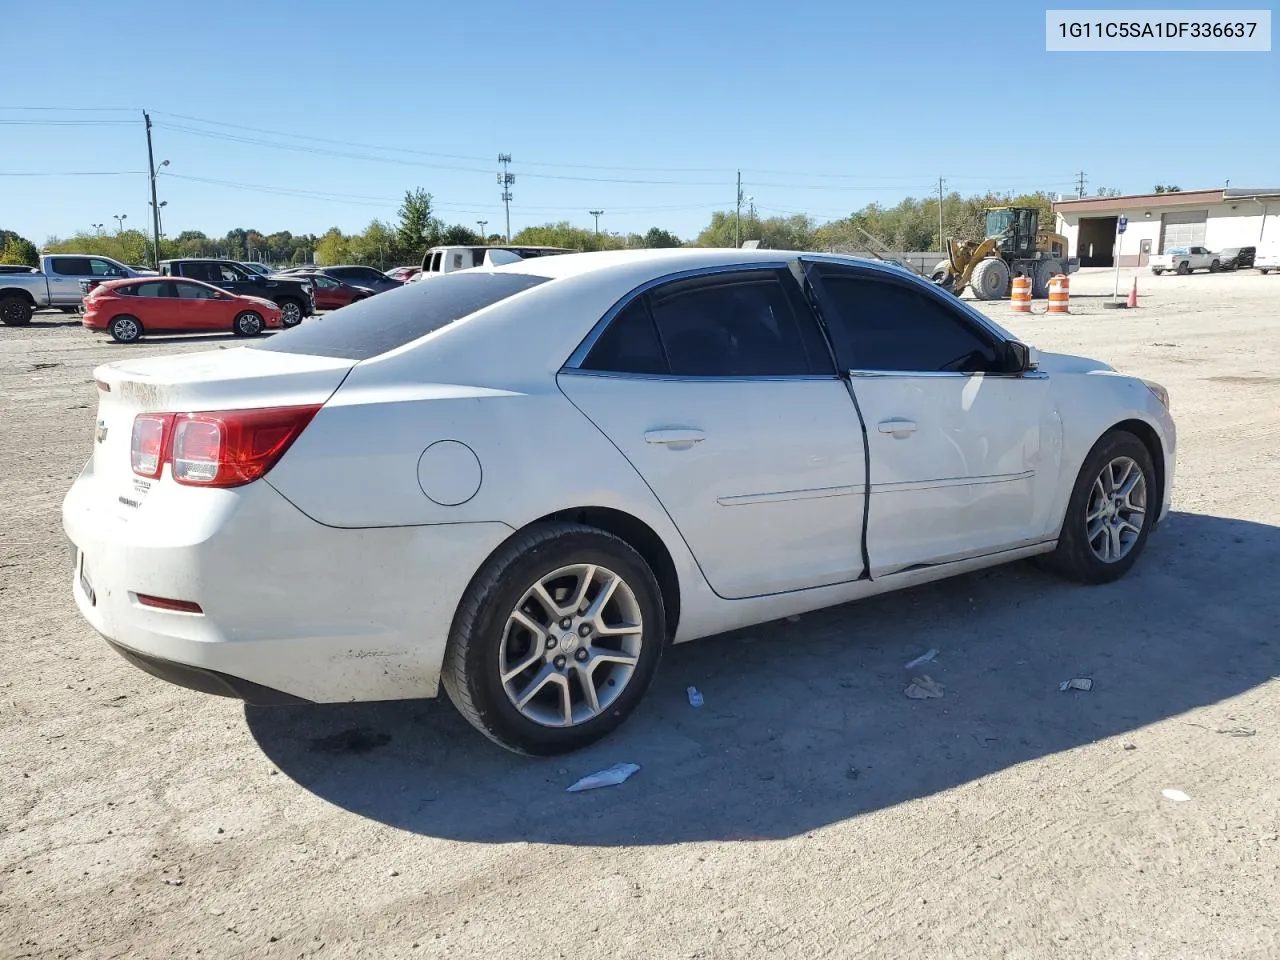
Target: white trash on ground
point(1079, 683)
point(926, 657)
point(608, 777)
point(1177, 796)
point(924, 688)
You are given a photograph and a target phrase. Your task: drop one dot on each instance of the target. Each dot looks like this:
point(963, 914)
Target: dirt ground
point(809, 809)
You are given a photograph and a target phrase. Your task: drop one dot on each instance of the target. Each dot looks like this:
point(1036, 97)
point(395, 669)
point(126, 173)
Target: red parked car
point(127, 309)
point(331, 293)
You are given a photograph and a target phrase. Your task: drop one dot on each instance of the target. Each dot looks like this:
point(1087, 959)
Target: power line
point(67, 123)
point(73, 173)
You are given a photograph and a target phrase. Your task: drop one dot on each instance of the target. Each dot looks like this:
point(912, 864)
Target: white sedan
point(525, 481)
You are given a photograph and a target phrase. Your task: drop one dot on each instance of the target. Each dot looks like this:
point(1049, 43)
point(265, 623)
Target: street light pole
point(484, 237)
point(97, 228)
point(597, 214)
point(119, 218)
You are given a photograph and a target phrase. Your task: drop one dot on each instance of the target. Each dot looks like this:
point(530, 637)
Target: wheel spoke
point(602, 655)
point(584, 584)
point(1095, 528)
point(566, 699)
point(1129, 525)
point(1129, 467)
point(1099, 508)
point(546, 675)
point(535, 654)
point(1113, 543)
point(552, 608)
point(589, 692)
point(595, 612)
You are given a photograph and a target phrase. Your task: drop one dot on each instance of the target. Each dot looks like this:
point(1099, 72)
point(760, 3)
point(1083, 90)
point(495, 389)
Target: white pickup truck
point(55, 284)
point(1185, 259)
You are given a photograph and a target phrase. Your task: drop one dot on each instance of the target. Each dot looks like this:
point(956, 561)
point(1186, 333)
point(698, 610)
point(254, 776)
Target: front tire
point(556, 639)
point(247, 324)
point(1215, 267)
point(1113, 506)
point(1045, 272)
point(290, 312)
point(125, 329)
point(990, 279)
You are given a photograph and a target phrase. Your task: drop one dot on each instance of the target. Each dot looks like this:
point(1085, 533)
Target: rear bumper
point(290, 609)
point(204, 680)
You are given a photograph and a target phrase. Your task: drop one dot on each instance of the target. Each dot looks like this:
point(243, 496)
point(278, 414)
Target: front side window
point(228, 274)
point(104, 268)
point(882, 324)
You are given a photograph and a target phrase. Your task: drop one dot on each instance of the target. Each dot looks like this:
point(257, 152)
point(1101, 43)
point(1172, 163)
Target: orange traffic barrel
point(1059, 294)
point(1020, 298)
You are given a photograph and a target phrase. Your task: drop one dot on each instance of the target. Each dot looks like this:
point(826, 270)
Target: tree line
point(910, 225)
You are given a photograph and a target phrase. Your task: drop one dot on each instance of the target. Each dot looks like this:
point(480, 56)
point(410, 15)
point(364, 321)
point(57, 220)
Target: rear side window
point(374, 326)
point(630, 344)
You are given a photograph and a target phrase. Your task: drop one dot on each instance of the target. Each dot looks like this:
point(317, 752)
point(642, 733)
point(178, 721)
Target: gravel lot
point(809, 809)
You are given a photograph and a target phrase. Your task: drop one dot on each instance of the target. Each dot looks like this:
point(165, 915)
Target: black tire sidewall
point(235, 326)
point(1074, 556)
point(481, 674)
point(111, 329)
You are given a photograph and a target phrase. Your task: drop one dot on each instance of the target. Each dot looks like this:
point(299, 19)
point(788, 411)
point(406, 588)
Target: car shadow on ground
point(806, 723)
point(156, 339)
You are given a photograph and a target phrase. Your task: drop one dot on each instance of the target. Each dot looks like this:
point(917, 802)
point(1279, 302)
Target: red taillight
point(146, 449)
point(226, 448)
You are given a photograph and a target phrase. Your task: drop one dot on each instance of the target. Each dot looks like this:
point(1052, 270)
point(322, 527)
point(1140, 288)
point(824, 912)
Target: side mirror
point(1023, 357)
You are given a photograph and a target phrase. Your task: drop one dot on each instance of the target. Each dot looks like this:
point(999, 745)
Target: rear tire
point(990, 279)
point(247, 324)
point(1158, 273)
point(507, 646)
point(125, 329)
point(15, 312)
point(1184, 268)
point(1264, 270)
point(1097, 543)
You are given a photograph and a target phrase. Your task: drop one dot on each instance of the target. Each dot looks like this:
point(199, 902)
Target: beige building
point(1215, 219)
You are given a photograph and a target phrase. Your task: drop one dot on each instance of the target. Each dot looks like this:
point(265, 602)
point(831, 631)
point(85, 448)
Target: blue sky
point(825, 106)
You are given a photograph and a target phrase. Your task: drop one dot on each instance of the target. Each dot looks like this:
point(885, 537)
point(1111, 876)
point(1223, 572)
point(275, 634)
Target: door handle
point(675, 438)
point(900, 429)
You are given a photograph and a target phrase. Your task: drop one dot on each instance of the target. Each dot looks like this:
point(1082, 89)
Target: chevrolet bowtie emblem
point(102, 431)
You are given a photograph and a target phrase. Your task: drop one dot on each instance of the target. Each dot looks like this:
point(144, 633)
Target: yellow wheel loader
point(1014, 247)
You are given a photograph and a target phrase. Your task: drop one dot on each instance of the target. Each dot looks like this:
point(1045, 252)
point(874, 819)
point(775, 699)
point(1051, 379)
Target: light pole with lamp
point(97, 228)
point(484, 237)
point(119, 218)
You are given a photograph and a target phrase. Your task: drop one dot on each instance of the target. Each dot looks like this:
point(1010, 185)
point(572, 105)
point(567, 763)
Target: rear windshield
point(371, 327)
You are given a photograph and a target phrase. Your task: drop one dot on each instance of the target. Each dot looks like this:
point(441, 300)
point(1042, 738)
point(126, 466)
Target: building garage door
point(1183, 229)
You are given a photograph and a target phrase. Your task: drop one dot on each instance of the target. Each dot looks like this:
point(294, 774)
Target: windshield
point(998, 221)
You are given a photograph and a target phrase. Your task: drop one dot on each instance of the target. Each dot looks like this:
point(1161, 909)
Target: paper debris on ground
point(924, 658)
point(695, 697)
point(1079, 683)
point(608, 777)
point(1177, 796)
point(924, 688)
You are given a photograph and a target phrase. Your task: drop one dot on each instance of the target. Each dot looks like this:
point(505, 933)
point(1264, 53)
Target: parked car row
point(1184, 260)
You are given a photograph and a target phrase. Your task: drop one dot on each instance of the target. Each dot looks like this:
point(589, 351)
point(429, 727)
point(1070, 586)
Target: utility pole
point(484, 237)
point(1080, 185)
point(597, 214)
point(942, 241)
point(737, 215)
point(505, 180)
point(155, 206)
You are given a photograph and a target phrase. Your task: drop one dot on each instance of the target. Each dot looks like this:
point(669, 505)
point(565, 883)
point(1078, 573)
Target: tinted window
point(323, 282)
point(228, 274)
point(71, 266)
point(880, 324)
point(156, 288)
point(629, 344)
point(373, 326)
point(733, 325)
point(101, 268)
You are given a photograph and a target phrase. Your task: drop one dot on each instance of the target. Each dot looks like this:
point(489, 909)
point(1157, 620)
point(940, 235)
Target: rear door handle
point(899, 429)
point(675, 438)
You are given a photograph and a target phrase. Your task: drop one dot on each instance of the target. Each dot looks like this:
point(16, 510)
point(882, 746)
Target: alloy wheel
point(1117, 510)
point(571, 645)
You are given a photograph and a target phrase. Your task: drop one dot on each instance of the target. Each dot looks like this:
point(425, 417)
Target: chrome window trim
point(916, 374)
point(619, 375)
point(579, 355)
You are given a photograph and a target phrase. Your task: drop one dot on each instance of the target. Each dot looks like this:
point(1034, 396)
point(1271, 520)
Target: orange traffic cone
point(1133, 294)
